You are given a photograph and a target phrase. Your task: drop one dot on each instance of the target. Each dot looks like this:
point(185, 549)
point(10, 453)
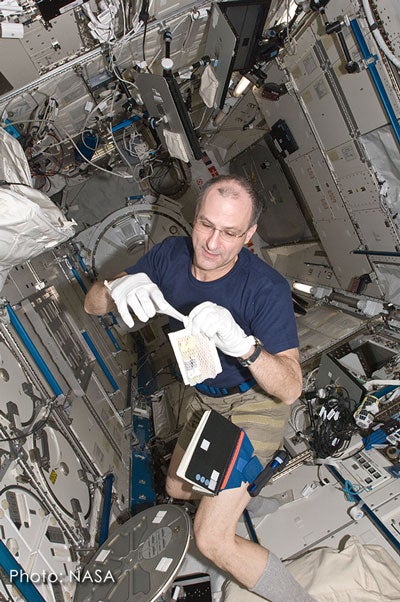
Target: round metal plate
point(60, 469)
point(139, 561)
point(38, 542)
point(15, 388)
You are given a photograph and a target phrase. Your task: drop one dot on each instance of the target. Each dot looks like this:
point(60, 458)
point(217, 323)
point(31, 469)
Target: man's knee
point(209, 541)
point(216, 521)
point(173, 487)
point(214, 534)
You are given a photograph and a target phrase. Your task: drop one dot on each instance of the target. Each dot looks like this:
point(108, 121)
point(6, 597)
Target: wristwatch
point(250, 360)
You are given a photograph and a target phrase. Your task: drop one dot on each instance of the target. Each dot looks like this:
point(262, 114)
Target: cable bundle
point(332, 427)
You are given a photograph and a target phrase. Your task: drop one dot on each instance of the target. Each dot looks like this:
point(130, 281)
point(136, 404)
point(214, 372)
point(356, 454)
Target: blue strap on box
point(247, 466)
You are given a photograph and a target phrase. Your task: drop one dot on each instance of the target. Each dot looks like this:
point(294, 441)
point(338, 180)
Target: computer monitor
point(236, 27)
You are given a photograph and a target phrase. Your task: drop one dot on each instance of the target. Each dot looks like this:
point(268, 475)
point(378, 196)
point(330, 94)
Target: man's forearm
point(98, 300)
point(279, 375)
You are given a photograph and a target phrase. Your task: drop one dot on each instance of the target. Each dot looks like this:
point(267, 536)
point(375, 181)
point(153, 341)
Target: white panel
point(323, 327)
point(375, 232)
point(345, 160)
point(21, 69)
point(359, 191)
point(339, 239)
point(341, 7)
point(301, 518)
point(389, 514)
point(318, 187)
point(325, 113)
point(48, 46)
point(303, 64)
point(160, 9)
point(233, 138)
point(57, 468)
point(359, 95)
point(305, 262)
point(96, 440)
point(362, 98)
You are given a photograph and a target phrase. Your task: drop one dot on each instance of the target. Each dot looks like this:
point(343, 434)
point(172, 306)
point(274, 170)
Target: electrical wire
point(378, 36)
point(173, 31)
point(121, 154)
point(107, 171)
point(55, 161)
point(144, 42)
point(40, 425)
point(310, 378)
point(291, 42)
point(295, 410)
point(168, 177)
point(202, 118)
point(333, 428)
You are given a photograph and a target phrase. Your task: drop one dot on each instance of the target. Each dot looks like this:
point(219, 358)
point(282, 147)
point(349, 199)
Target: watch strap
point(252, 358)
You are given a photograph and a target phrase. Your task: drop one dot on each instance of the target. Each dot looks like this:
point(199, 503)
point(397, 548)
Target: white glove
point(217, 323)
point(138, 292)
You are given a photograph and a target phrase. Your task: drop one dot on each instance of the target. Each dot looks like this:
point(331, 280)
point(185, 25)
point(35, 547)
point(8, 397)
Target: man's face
point(215, 253)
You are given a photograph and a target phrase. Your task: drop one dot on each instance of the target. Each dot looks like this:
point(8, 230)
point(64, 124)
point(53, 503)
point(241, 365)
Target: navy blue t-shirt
point(257, 296)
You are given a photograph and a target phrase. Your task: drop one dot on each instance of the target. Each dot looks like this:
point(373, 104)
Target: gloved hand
point(217, 323)
point(138, 292)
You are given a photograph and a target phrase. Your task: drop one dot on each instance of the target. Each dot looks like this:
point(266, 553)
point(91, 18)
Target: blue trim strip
point(378, 523)
point(113, 339)
point(376, 77)
point(39, 361)
point(79, 279)
point(8, 563)
point(383, 253)
point(83, 264)
point(105, 516)
point(100, 360)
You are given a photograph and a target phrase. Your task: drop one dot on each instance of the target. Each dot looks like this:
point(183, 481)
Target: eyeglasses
point(207, 228)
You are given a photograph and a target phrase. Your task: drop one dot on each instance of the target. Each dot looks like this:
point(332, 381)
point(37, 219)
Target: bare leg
point(215, 526)
point(215, 531)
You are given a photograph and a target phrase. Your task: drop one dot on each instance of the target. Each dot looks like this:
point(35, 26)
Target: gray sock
point(276, 584)
point(261, 506)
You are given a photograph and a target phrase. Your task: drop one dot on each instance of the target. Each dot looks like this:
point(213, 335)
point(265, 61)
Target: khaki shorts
point(262, 417)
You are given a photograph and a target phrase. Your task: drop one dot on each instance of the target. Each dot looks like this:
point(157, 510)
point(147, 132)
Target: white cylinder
point(167, 64)
point(11, 30)
point(356, 513)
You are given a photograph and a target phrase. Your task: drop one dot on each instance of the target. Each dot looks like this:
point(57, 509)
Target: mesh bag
point(196, 355)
